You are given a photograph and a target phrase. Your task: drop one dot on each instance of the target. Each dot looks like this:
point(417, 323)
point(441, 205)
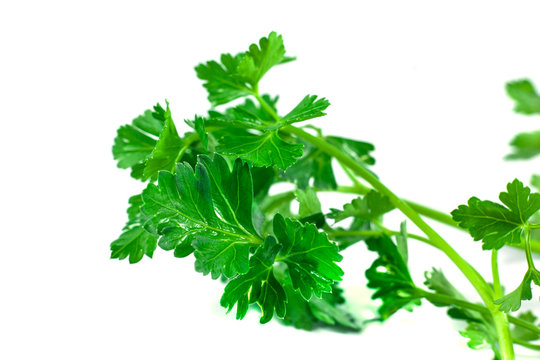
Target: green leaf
point(478, 339)
point(135, 142)
point(166, 150)
point(402, 242)
point(259, 59)
point(238, 76)
point(389, 276)
point(308, 201)
point(308, 108)
point(266, 149)
point(358, 150)
point(310, 257)
point(329, 313)
point(263, 179)
point(209, 208)
point(495, 224)
point(314, 165)
point(526, 146)
point(525, 334)
point(199, 126)
point(524, 94)
point(222, 80)
point(535, 181)
point(257, 285)
point(370, 207)
point(135, 241)
point(437, 281)
point(512, 301)
point(316, 312)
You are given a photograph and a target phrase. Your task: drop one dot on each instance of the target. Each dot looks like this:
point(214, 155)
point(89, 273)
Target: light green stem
point(497, 289)
point(448, 300)
point(526, 344)
point(338, 233)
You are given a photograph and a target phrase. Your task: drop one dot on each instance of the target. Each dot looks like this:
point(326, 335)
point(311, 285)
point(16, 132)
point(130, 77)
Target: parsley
point(207, 194)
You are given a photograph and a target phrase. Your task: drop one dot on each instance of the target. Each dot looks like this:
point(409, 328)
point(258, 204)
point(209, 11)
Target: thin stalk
point(448, 300)
point(530, 261)
point(339, 233)
point(497, 289)
point(187, 143)
point(526, 344)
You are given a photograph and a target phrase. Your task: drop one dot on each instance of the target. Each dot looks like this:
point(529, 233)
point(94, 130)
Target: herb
point(207, 195)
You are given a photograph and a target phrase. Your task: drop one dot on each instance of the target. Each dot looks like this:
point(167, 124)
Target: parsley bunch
point(208, 195)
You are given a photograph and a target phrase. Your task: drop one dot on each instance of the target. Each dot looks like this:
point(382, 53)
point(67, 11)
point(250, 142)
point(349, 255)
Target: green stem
point(187, 143)
point(497, 289)
point(528, 254)
point(526, 344)
point(448, 300)
point(367, 233)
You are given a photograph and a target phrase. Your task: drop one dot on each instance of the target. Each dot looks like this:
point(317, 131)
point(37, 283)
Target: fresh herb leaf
point(437, 281)
point(402, 242)
point(525, 95)
point(308, 201)
point(316, 312)
point(312, 165)
point(524, 334)
point(222, 80)
point(309, 108)
point(258, 285)
point(370, 207)
point(310, 257)
point(166, 151)
point(330, 313)
point(211, 208)
point(199, 126)
point(495, 224)
point(476, 333)
point(512, 301)
point(389, 276)
point(134, 143)
point(266, 149)
point(238, 76)
point(135, 240)
point(526, 146)
point(259, 59)
point(358, 150)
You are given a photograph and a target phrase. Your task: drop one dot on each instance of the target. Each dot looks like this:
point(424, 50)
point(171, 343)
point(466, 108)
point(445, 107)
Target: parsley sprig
point(207, 195)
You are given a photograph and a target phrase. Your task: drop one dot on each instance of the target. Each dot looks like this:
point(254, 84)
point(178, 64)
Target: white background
point(423, 81)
